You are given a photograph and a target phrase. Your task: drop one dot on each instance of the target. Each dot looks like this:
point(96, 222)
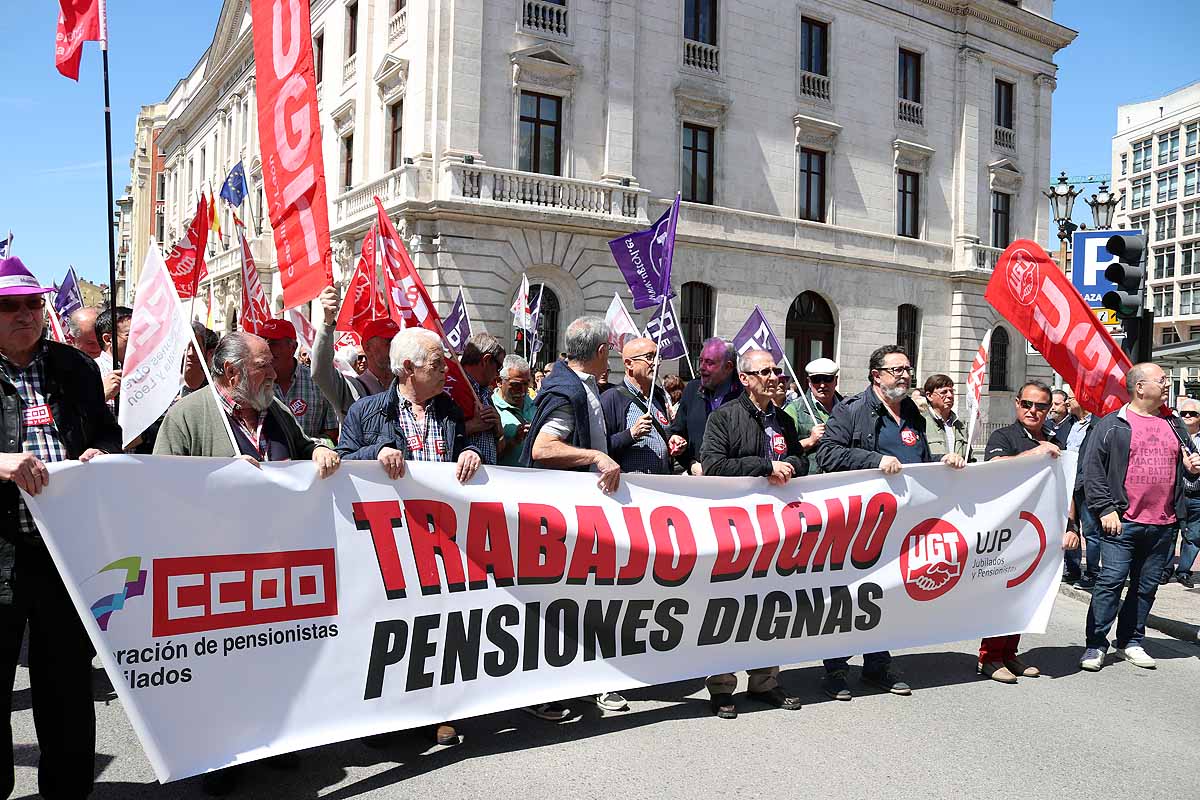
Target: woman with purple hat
point(51, 409)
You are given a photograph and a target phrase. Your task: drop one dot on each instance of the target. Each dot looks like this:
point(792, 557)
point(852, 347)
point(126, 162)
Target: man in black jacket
point(881, 428)
point(1134, 465)
point(716, 386)
point(637, 435)
point(51, 409)
point(753, 437)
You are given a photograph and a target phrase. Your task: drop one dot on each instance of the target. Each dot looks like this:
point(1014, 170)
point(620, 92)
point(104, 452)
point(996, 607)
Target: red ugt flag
point(363, 303)
point(1031, 292)
point(185, 262)
point(256, 312)
point(79, 21)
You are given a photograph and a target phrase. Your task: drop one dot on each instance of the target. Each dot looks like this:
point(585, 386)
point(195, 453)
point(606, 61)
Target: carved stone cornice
point(701, 102)
point(391, 78)
point(1004, 176)
point(1014, 20)
point(1045, 79)
point(816, 132)
point(544, 67)
point(343, 117)
point(912, 156)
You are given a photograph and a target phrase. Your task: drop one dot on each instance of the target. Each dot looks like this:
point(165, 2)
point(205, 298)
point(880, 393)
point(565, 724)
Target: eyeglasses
point(1164, 381)
point(765, 372)
point(649, 358)
point(822, 378)
point(1041, 408)
point(898, 371)
point(11, 305)
point(1189, 413)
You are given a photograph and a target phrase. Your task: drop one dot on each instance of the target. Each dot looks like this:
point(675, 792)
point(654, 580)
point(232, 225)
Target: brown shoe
point(445, 734)
point(1018, 667)
point(997, 672)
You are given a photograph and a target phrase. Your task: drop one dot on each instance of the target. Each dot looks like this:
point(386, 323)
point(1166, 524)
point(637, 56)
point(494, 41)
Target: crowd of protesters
point(1137, 490)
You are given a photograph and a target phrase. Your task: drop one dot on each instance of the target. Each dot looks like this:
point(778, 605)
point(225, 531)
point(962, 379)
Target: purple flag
point(644, 259)
point(756, 334)
point(457, 325)
point(68, 300)
point(664, 329)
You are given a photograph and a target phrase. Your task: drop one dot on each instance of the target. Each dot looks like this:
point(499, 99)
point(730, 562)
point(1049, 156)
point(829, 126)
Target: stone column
point(621, 90)
point(465, 78)
point(967, 159)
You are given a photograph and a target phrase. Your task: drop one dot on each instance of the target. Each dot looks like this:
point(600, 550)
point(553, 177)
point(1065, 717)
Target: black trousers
point(60, 673)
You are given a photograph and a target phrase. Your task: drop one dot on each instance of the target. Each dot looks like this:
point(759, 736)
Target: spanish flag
point(216, 216)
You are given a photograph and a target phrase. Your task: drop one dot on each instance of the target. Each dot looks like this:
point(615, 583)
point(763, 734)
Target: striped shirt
point(484, 441)
point(307, 404)
point(426, 441)
point(252, 431)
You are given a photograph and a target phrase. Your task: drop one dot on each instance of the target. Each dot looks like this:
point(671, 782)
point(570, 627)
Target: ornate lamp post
point(1062, 200)
point(1104, 205)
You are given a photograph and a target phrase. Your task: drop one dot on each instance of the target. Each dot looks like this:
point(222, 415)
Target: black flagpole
point(112, 244)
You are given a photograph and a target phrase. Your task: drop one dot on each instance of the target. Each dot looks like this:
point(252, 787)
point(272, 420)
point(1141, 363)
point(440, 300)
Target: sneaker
point(1185, 580)
point(1087, 582)
point(610, 701)
point(1093, 659)
point(996, 671)
point(551, 712)
point(887, 680)
point(1135, 655)
point(836, 687)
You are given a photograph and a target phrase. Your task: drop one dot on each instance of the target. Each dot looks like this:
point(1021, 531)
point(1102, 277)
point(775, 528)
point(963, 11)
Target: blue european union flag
point(234, 189)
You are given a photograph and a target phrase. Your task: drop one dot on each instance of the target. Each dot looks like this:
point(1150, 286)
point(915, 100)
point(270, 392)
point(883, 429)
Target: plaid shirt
point(647, 454)
point(253, 433)
point(426, 442)
point(307, 404)
point(42, 441)
point(484, 441)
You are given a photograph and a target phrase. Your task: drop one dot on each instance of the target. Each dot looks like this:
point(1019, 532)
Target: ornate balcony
point(985, 257)
point(544, 19)
point(360, 201)
point(550, 192)
point(1005, 139)
point(701, 56)
point(909, 112)
point(349, 69)
point(814, 86)
point(398, 27)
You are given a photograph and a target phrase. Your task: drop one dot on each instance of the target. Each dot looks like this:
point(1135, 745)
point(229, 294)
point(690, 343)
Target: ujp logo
point(135, 586)
point(932, 559)
point(1022, 277)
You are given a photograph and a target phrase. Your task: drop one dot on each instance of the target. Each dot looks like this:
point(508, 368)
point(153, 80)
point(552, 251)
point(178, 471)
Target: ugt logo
point(932, 559)
point(135, 586)
point(1022, 277)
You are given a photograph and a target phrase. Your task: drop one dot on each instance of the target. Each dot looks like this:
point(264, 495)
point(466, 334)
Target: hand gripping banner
point(323, 610)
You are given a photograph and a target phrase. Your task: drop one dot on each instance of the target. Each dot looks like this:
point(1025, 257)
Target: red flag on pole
point(185, 262)
point(412, 308)
point(1031, 292)
point(256, 311)
point(289, 133)
point(79, 21)
point(362, 303)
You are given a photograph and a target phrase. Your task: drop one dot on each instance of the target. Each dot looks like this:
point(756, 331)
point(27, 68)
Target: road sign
point(1088, 260)
point(1106, 316)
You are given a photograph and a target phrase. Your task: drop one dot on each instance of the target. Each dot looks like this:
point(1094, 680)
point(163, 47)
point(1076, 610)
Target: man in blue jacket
point(717, 385)
point(637, 435)
point(880, 428)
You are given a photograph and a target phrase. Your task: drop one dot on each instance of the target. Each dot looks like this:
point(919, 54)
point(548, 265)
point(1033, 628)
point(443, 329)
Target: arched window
point(998, 361)
point(908, 333)
point(547, 329)
point(697, 304)
point(810, 331)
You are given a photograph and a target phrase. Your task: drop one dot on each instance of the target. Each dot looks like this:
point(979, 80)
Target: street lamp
point(1103, 204)
point(1062, 200)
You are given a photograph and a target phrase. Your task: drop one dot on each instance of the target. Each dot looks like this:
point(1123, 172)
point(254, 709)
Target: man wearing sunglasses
point(753, 437)
point(1189, 412)
point(637, 432)
point(1135, 464)
point(811, 417)
point(879, 428)
point(51, 409)
point(1028, 436)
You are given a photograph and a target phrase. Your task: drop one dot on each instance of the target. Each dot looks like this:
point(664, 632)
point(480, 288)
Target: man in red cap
point(342, 390)
point(294, 383)
point(51, 409)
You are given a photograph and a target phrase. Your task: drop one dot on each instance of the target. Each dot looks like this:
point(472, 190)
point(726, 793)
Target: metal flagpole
point(687, 357)
point(112, 239)
point(803, 393)
point(657, 343)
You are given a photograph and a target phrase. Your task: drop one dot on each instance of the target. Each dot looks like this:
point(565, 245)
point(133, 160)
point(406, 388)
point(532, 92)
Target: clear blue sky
point(52, 139)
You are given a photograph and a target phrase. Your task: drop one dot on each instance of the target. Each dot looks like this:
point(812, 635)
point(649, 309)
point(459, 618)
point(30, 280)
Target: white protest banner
point(159, 334)
point(317, 610)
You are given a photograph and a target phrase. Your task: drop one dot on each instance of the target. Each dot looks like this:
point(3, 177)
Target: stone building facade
point(852, 168)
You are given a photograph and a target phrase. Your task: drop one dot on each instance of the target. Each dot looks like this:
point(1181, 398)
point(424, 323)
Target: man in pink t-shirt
point(1133, 462)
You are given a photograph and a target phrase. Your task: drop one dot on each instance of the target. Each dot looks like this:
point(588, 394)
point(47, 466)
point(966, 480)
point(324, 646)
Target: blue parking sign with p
point(1089, 258)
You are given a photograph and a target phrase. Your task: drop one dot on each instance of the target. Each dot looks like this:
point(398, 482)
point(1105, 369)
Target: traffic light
point(1127, 272)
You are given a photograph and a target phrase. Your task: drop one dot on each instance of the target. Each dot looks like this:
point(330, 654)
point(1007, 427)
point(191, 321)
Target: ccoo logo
point(932, 559)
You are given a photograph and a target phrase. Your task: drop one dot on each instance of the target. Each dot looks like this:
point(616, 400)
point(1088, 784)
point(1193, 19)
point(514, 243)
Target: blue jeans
point(1089, 529)
point(1139, 552)
point(1191, 538)
point(873, 663)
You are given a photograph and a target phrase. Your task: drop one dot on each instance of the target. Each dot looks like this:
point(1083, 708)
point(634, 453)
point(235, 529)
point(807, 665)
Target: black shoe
point(836, 687)
point(1186, 580)
point(219, 782)
point(1165, 578)
point(776, 697)
point(887, 680)
point(722, 705)
point(1086, 582)
point(1071, 577)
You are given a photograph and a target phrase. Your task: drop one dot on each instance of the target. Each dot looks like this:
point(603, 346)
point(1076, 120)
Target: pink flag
point(255, 309)
point(304, 329)
point(975, 380)
point(621, 327)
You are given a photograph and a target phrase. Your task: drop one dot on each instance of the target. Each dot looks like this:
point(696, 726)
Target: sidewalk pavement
point(1176, 610)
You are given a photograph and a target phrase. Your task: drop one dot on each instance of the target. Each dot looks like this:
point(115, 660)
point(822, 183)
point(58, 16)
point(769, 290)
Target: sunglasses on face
point(1041, 408)
point(767, 372)
point(822, 378)
point(1189, 413)
point(11, 305)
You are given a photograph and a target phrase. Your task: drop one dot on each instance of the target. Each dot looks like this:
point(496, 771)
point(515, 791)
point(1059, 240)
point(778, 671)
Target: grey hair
point(1188, 401)
point(513, 363)
point(743, 363)
point(233, 348)
point(479, 345)
point(730, 356)
point(73, 324)
point(411, 344)
point(584, 337)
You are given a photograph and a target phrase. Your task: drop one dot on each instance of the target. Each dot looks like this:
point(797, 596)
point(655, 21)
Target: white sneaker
point(1135, 655)
point(610, 701)
point(1093, 659)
